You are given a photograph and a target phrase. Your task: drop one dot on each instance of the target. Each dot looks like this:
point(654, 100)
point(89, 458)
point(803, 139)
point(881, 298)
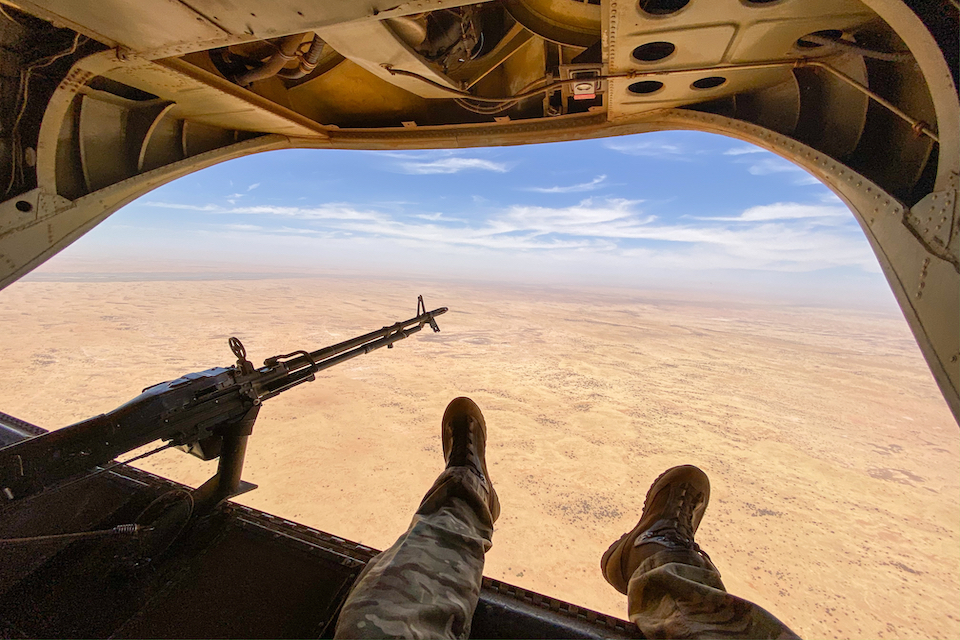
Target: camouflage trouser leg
point(428, 583)
point(678, 594)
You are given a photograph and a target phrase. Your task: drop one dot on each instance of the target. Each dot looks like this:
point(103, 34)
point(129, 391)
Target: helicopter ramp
point(237, 573)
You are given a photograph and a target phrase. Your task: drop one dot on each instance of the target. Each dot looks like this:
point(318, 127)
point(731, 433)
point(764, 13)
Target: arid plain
point(834, 461)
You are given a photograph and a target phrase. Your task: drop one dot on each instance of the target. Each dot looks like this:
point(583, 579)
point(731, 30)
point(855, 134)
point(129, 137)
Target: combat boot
point(464, 435)
point(672, 511)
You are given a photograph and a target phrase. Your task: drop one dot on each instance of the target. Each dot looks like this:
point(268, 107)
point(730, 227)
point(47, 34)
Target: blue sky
point(654, 210)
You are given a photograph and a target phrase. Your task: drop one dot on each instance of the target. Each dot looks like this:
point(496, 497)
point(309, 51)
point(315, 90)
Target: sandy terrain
point(834, 460)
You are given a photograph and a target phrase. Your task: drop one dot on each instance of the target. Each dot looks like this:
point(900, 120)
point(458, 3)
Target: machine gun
point(210, 414)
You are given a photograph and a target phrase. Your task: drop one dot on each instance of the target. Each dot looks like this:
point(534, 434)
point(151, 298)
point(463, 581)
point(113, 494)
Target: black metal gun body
point(193, 412)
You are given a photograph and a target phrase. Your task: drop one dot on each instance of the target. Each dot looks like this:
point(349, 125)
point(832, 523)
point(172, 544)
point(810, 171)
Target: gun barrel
point(321, 355)
point(302, 368)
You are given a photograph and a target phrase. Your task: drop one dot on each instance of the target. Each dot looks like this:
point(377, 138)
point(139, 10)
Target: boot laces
point(462, 443)
point(683, 517)
point(675, 528)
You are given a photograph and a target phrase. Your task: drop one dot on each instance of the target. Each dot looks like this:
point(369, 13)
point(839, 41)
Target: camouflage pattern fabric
point(428, 583)
point(678, 594)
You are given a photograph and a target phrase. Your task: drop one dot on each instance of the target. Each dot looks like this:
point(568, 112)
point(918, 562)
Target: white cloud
point(571, 188)
point(769, 247)
point(393, 204)
point(830, 198)
point(329, 211)
point(783, 239)
point(783, 236)
point(302, 231)
point(436, 236)
point(786, 211)
point(739, 151)
point(768, 166)
point(412, 155)
point(332, 211)
point(614, 218)
point(184, 207)
point(773, 164)
point(451, 165)
point(650, 148)
point(438, 217)
point(253, 186)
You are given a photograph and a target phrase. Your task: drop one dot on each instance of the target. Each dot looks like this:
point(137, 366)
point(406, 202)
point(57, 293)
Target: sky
point(663, 210)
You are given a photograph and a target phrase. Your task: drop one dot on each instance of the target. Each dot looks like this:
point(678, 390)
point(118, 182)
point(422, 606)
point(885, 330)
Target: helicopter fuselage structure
point(103, 102)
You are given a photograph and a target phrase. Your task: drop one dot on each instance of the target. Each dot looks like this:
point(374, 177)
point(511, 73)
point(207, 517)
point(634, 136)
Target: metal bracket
point(934, 221)
point(243, 487)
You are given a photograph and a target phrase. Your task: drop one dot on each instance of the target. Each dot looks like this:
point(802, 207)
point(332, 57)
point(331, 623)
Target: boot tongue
point(462, 439)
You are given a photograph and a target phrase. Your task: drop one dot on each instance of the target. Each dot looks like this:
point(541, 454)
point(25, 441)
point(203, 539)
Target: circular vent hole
point(830, 34)
point(708, 83)
point(653, 51)
point(24, 206)
point(662, 7)
point(645, 86)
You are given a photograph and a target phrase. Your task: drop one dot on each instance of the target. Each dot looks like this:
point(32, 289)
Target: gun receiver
point(209, 414)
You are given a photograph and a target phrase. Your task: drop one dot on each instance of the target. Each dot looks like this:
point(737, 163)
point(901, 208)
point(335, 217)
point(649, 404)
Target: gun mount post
point(227, 482)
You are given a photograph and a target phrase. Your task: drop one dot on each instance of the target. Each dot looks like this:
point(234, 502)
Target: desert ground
point(834, 460)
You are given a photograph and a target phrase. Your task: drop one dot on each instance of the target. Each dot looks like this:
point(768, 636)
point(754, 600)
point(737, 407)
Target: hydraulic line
point(556, 84)
point(285, 52)
point(501, 107)
point(852, 47)
point(919, 126)
point(308, 62)
point(3, 12)
point(23, 96)
point(119, 530)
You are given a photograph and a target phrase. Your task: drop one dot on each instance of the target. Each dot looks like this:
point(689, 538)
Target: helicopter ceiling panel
point(169, 27)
